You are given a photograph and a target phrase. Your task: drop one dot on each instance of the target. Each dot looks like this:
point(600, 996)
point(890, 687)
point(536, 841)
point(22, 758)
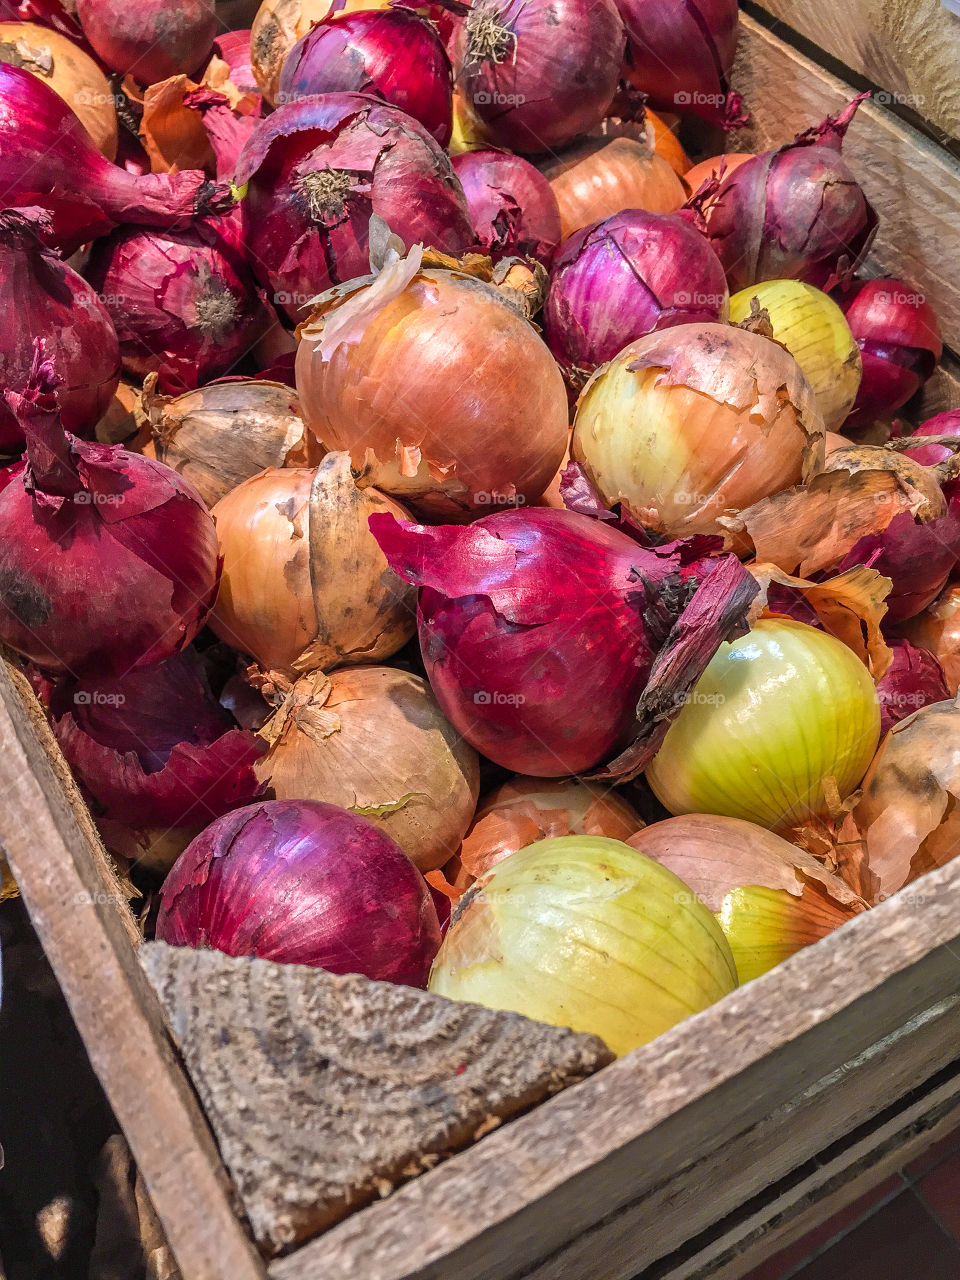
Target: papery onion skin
point(663, 429)
point(315, 171)
point(150, 39)
point(774, 714)
point(305, 586)
point(498, 441)
point(914, 679)
point(585, 933)
point(812, 328)
point(50, 301)
point(698, 174)
point(234, 48)
point(599, 179)
point(70, 72)
point(299, 882)
point(941, 424)
point(937, 631)
point(537, 73)
point(392, 54)
point(374, 741)
point(625, 277)
point(512, 206)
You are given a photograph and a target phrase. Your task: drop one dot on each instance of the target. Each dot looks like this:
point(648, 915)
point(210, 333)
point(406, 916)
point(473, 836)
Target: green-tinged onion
point(774, 715)
point(585, 932)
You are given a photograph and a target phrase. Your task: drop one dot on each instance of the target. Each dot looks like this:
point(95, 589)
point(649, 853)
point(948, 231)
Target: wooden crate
point(692, 1157)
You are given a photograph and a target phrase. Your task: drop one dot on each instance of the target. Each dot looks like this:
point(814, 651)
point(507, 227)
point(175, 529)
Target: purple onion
point(392, 54)
point(914, 679)
point(928, 455)
point(300, 882)
point(917, 558)
point(512, 205)
point(620, 279)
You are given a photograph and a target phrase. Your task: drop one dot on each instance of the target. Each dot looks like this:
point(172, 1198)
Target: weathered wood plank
point(82, 920)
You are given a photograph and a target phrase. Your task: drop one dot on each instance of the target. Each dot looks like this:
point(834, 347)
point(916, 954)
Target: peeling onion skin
point(512, 205)
point(150, 39)
point(276, 28)
point(299, 882)
point(937, 630)
point(914, 679)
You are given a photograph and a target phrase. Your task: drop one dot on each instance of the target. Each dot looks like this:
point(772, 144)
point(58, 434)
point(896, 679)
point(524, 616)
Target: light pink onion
point(512, 205)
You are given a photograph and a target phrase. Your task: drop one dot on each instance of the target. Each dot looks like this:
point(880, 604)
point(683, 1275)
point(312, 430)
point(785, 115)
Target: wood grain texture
point(913, 183)
point(326, 1091)
point(84, 924)
point(909, 48)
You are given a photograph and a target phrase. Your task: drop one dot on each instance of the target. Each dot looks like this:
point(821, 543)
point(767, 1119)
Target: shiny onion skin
point(70, 72)
point(315, 171)
point(299, 882)
point(50, 301)
point(150, 40)
point(48, 163)
point(550, 638)
point(941, 424)
point(680, 52)
point(512, 205)
point(599, 179)
point(391, 54)
point(898, 334)
point(537, 73)
point(774, 714)
point(623, 278)
point(453, 391)
point(108, 560)
point(587, 933)
point(277, 27)
point(914, 679)
point(687, 424)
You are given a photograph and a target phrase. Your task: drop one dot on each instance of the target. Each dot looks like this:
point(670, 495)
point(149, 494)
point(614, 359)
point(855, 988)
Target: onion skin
point(71, 73)
point(55, 304)
point(625, 277)
point(512, 205)
point(914, 679)
point(774, 714)
point(937, 631)
point(374, 741)
point(151, 39)
point(537, 73)
point(698, 174)
point(600, 179)
point(941, 424)
point(392, 54)
point(585, 933)
point(277, 27)
point(303, 883)
point(305, 229)
point(233, 47)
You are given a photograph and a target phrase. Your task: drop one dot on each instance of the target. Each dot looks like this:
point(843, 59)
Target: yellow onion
point(832, 440)
point(374, 740)
point(696, 422)
point(937, 629)
point(69, 72)
point(440, 383)
point(774, 715)
point(468, 132)
point(771, 898)
point(695, 177)
point(305, 585)
point(923, 481)
point(815, 332)
point(277, 27)
point(908, 814)
point(596, 179)
point(587, 933)
point(226, 432)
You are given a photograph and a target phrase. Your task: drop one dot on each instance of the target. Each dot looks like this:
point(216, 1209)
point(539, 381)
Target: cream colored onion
point(305, 586)
point(277, 27)
point(937, 629)
point(694, 423)
point(595, 180)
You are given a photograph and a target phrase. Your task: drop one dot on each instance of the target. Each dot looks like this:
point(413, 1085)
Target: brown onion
point(937, 630)
point(70, 73)
point(278, 26)
point(600, 178)
point(305, 585)
point(373, 740)
point(698, 174)
point(227, 432)
point(869, 457)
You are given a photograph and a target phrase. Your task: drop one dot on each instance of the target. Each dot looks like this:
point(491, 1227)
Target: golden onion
point(373, 740)
point(815, 332)
point(439, 382)
point(305, 585)
point(695, 177)
point(770, 898)
point(587, 933)
point(696, 422)
point(937, 629)
point(596, 179)
point(776, 713)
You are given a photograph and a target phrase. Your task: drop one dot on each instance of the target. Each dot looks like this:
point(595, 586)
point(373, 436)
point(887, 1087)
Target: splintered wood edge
point(83, 921)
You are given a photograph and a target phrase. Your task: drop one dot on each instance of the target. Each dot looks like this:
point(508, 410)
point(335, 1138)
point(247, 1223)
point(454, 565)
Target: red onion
point(914, 679)
point(108, 560)
point(227, 131)
point(154, 747)
point(537, 73)
point(620, 279)
point(679, 53)
point(48, 162)
point(928, 455)
point(392, 54)
point(796, 213)
point(512, 205)
point(315, 171)
point(233, 47)
point(898, 335)
point(918, 559)
point(300, 882)
point(553, 641)
point(183, 302)
point(46, 13)
point(50, 301)
point(150, 40)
